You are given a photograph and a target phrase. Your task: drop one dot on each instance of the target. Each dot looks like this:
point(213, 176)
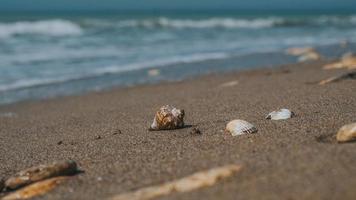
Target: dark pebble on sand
point(117, 132)
point(60, 142)
point(98, 137)
point(195, 131)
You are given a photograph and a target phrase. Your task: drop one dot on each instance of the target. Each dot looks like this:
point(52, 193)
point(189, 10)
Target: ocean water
point(48, 55)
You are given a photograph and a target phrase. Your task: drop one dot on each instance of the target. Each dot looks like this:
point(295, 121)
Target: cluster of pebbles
point(38, 180)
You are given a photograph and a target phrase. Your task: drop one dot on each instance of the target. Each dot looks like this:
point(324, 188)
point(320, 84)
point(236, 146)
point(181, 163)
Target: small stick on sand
point(36, 189)
point(193, 182)
point(350, 75)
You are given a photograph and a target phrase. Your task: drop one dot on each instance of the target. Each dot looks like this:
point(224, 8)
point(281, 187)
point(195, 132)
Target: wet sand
point(293, 159)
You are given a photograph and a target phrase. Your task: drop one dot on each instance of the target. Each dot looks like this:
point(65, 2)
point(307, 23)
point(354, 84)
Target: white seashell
point(240, 127)
point(153, 72)
point(167, 118)
point(310, 56)
point(229, 84)
point(347, 133)
point(280, 114)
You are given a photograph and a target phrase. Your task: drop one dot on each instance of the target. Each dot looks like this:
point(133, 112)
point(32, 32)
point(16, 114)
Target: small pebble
point(98, 137)
point(117, 132)
point(60, 142)
point(195, 131)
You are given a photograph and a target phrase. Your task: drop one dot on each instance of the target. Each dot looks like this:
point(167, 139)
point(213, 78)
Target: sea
point(46, 55)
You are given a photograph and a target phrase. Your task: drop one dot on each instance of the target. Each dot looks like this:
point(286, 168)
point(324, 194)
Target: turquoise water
point(46, 55)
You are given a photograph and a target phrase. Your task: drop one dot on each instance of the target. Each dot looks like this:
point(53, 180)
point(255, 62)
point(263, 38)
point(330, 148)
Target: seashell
point(239, 127)
point(280, 114)
point(298, 51)
point(167, 118)
point(229, 84)
point(350, 75)
point(35, 189)
point(41, 172)
point(310, 56)
point(153, 72)
point(186, 184)
point(347, 133)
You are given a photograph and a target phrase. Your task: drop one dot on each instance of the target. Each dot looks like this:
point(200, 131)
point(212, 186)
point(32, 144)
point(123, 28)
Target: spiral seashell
point(40, 172)
point(280, 114)
point(347, 133)
point(240, 127)
point(167, 118)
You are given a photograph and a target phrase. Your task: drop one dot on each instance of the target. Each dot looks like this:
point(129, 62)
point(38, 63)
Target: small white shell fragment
point(240, 127)
point(187, 184)
point(229, 84)
point(310, 56)
point(347, 133)
point(153, 72)
point(280, 114)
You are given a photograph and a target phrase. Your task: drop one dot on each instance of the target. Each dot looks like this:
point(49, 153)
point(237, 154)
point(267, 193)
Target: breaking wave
point(56, 27)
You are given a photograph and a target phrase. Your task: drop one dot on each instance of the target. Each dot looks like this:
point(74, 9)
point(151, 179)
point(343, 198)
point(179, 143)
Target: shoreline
point(108, 79)
point(293, 159)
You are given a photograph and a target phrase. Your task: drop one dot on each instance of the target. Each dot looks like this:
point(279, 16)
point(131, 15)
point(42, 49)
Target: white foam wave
point(163, 62)
point(56, 27)
point(35, 82)
point(202, 23)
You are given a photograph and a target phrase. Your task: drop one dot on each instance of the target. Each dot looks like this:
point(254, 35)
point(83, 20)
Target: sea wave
point(226, 22)
point(112, 69)
point(55, 27)
point(201, 23)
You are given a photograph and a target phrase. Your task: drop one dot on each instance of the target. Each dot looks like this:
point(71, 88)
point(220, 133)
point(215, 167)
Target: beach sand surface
point(297, 158)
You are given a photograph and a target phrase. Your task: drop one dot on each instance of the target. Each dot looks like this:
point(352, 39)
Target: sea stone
point(41, 172)
point(167, 118)
point(347, 133)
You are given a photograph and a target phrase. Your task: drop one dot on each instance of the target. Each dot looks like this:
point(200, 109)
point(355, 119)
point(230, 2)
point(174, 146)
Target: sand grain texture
point(297, 158)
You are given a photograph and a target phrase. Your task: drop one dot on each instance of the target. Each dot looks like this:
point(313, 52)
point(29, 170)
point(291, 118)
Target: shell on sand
point(41, 172)
point(153, 72)
point(35, 189)
point(187, 184)
point(348, 60)
point(229, 84)
point(298, 51)
point(347, 133)
point(280, 114)
point(240, 127)
point(345, 76)
point(309, 56)
point(167, 118)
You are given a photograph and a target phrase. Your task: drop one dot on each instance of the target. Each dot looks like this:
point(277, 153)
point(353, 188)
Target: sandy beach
point(106, 133)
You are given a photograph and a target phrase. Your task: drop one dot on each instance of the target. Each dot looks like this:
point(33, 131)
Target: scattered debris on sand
point(345, 76)
point(35, 189)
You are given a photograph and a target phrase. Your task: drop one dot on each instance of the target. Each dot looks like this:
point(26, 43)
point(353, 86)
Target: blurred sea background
point(46, 55)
